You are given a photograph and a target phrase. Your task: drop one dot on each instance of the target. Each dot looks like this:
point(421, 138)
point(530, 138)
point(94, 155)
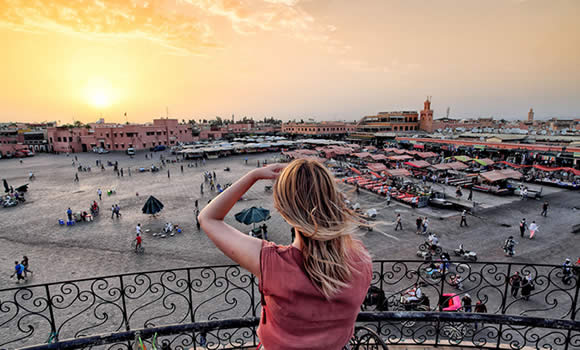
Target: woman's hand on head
point(270, 172)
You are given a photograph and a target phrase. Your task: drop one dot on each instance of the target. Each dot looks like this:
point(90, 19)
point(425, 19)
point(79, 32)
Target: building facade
point(119, 137)
point(322, 128)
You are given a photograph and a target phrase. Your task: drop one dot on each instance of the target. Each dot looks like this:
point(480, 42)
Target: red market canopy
point(352, 145)
point(418, 164)
point(497, 175)
point(379, 157)
point(397, 158)
point(441, 166)
point(457, 166)
point(355, 170)
point(566, 169)
point(419, 146)
point(361, 155)
point(426, 154)
point(397, 172)
point(376, 167)
point(399, 151)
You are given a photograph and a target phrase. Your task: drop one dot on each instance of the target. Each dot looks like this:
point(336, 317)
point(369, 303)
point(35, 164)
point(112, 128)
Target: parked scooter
point(465, 254)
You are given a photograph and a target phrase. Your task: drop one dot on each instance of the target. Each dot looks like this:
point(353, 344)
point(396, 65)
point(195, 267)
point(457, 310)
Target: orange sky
point(328, 59)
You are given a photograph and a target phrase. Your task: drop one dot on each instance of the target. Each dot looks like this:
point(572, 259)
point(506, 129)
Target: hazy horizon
point(290, 59)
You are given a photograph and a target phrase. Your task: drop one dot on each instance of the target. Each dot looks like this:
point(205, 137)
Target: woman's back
point(296, 315)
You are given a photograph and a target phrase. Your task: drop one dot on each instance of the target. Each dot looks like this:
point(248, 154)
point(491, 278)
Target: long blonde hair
point(306, 196)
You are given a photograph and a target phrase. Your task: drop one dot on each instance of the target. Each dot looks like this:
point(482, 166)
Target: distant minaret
point(426, 116)
point(233, 119)
point(531, 115)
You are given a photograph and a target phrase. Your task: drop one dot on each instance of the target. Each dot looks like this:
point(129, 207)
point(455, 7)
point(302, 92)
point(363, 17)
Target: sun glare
point(99, 93)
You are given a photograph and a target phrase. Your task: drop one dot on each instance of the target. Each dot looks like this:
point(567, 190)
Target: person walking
point(527, 286)
point(470, 197)
point(25, 264)
point(196, 204)
point(264, 231)
point(329, 269)
point(533, 229)
point(399, 223)
point(523, 227)
point(138, 229)
point(419, 224)
point(181, 167)
point(214, 177)
point(463, 218)
point(168, 175)
point(113, 210)
point(515, 281)
point(388, 198)
point(466, 303)
point(545, 208)
point(425, 225)
point(482, 309)
point(567, 271)
point(76, 177)
point(100, 193)
point(201, 188)
point(121, 172)
point(69, 214)
point(18, 271)
point(117, 210)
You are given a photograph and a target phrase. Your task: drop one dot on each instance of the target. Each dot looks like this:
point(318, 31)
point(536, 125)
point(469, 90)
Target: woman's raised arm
point(238, 246)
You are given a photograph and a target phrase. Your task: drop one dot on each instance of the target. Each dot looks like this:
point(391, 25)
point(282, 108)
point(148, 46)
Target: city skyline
point(289, 59)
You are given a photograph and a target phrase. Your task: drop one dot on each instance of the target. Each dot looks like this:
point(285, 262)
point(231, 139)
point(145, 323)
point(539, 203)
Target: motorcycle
point(465, 254)
point(427, 246)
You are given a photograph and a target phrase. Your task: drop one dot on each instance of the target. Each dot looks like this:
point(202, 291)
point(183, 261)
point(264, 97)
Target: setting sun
point(99, 93)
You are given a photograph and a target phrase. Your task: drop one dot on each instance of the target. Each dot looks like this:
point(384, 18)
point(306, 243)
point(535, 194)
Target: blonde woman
point(311, 290)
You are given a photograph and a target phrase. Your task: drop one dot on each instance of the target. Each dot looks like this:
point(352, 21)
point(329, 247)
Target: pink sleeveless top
point(295, 315)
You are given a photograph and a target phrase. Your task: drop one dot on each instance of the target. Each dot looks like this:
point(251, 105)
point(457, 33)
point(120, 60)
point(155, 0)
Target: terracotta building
point(323, 128)
point(399, 121)
point(119, 137)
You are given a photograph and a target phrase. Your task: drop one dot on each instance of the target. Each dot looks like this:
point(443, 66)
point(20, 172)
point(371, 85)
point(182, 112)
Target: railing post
point(125, 319)
point(51, 313)
point(190, 301)
point(573, 311)
point(253, 302)
point(503, 302)
point(438, 324)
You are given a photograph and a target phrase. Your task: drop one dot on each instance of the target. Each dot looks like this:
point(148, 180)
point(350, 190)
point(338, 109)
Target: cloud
point(145, 19)
point(184, 26)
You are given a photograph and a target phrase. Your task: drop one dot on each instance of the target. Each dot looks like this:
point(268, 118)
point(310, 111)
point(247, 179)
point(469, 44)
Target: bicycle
point(139, 250)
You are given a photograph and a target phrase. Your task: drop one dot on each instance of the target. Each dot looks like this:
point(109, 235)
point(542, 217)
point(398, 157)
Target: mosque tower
point(426, 120)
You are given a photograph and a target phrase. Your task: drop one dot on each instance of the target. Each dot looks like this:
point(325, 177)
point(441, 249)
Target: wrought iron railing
point(217, 306)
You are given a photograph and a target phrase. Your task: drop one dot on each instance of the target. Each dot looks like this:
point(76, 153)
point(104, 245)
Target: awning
point(397, 158)
point(457, 166)
point(361, 155)
point(442, 166)
point(566, 169)
point(497, 175)
point(484, 161)
point(426, 154)
point(397, 172)
point(462, 158)
point(418, 164)
point(376, 167)
point(379, 157)
point(418, 145)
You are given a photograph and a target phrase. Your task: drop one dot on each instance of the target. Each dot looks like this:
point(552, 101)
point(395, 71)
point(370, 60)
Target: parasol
point(152, 206)
point(253, 215)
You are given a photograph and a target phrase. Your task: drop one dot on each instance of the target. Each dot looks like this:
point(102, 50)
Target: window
point(144, 145)
point(122, 145)
point(58, 139)
point(115, 135)
point(107, 134)
point(70, 139)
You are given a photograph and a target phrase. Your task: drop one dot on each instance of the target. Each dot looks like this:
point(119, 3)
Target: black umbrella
point(23, 188)
point(6, 188)
point(152, 206)
point(252, 215)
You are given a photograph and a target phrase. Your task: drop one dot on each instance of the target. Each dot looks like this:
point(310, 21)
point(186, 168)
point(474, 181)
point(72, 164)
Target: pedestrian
point(567, 271)
point(138, 229)
point(113, 210)
point(388, 199)
point(214, 177)
point(399, 222)
point(545, 208)
point(181, 167)
point(69, 214)
point(523, 227)
point(533, 229)
point(25, 264)
point(515, 281)
point(463, 218)
point(196, 204)
point(258, 163)
point(117, 210)
point(419, 224)
point(246, 160)
point(129, 171)
point(470, 197)
point(18, 270)
point(168, 175)
point(482, 309)
point(264, 231)
point(76, 177)
point(527, 286)
point(466, 303)
point(425, 225)
point(100, 193)
point(201, 188)
point(121, 172)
